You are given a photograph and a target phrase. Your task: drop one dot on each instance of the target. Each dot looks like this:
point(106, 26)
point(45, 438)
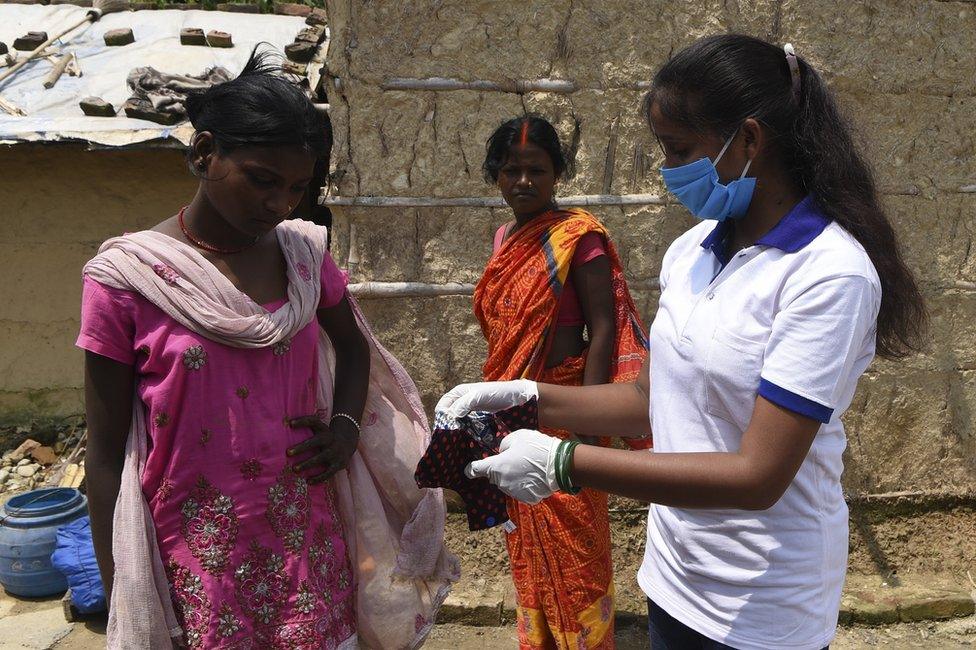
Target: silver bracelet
point(359, 431)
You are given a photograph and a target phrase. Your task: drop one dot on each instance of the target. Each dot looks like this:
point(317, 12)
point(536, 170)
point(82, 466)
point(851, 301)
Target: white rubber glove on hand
point(524, 467)
point(491, 396)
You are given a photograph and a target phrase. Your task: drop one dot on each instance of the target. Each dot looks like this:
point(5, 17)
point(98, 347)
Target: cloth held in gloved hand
point(458, 441)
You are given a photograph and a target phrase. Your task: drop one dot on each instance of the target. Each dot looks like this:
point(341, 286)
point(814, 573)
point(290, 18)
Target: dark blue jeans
point(668, 633)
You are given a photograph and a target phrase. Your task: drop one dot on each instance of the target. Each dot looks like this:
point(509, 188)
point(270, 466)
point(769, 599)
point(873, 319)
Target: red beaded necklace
point(208, 247)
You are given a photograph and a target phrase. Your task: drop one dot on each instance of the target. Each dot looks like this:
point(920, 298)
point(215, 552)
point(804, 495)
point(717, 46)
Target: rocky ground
point(32, 464)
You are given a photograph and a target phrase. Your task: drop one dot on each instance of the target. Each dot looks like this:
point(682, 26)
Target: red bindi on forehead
point(524, 134)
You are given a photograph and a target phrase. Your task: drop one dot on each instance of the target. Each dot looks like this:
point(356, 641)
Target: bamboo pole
point(519, 86)
point(435, 290)
point(483, 201)
point(57, 70)
point(11, 108)
point(409, 289)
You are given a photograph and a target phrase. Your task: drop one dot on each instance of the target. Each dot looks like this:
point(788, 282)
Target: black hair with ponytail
point(259, 108)
point(716, 83)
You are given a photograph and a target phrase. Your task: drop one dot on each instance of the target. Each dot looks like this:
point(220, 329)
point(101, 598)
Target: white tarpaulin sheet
point(53, 114)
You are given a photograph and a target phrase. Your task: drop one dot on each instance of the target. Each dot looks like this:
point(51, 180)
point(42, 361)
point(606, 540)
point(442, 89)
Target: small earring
point(201, 165)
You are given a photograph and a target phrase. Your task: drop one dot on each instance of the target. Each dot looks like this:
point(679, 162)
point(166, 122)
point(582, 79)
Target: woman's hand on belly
point(332, 446)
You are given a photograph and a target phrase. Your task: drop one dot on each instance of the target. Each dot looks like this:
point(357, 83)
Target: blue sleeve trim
point(796, 403)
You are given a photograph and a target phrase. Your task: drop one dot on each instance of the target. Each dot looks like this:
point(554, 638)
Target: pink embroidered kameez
point(255, 556)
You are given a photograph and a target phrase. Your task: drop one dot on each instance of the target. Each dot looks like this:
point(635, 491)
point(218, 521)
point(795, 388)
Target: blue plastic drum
point(28, 534)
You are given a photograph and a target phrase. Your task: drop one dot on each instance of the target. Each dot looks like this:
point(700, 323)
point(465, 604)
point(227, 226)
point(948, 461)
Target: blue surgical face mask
point(698, 188)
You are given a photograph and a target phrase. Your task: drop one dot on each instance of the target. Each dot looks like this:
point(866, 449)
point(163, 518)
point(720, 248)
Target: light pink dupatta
point(394, 530)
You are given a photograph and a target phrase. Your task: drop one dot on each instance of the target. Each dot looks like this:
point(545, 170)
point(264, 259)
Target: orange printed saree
point(560, 548)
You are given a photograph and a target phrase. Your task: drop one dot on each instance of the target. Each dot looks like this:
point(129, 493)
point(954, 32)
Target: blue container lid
point(42, 503)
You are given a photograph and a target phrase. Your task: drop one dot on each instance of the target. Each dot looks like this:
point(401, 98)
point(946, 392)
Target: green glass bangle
point(570, 452)
point(565, 461)
point(556, 464)
point(560, 466)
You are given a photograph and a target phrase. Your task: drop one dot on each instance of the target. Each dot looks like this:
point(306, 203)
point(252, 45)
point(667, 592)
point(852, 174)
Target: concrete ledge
point(867, 600)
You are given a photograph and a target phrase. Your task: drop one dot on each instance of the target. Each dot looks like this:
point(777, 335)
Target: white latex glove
point(524, 467)
point(491, 396)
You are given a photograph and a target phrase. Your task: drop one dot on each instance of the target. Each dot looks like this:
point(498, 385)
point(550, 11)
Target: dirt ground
point(952, 635)
point(944, 541)
point(38, 624)
point(958, 634)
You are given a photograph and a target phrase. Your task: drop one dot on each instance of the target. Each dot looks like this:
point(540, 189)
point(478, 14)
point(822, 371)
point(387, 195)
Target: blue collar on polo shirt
point(799, 227)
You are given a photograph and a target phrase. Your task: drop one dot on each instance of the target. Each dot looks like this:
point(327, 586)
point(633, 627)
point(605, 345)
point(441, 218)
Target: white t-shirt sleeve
point(814, 343)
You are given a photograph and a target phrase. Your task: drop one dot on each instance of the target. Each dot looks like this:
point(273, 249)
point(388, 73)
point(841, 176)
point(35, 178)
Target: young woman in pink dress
point(211, 319)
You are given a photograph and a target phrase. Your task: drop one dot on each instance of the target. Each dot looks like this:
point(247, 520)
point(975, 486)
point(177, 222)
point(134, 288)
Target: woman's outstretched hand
point(524, 467)
point(491, 396)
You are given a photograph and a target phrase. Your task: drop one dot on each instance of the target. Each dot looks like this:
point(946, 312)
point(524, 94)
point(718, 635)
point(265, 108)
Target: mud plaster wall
point(57, 204)
point(902, 69)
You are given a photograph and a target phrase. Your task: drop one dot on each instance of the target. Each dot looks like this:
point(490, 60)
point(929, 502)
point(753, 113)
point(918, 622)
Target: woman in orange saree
point(554, 307)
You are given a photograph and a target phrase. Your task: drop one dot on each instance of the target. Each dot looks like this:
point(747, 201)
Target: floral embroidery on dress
point(205, 437)
point(305, 601)
point(371, 419)
point(323, 562)
point(606, 608)
point(160, 419)
point(191, 602)
point(294, 636)
point(304, 272)
point(345, 580)
point(262, 585)
point(251, 469)
point(281, 347)
point(167, 273)
point(288, 506)
point(227, 622)
point(243, 392)
point(164, 490)
point(419, 623)
point(194, 357)
point(343, 615)
point(243, 644)
point(330, 498)
point(209, 526)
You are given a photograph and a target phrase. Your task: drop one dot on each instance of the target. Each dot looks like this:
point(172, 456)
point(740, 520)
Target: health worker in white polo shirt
point(770, 311)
